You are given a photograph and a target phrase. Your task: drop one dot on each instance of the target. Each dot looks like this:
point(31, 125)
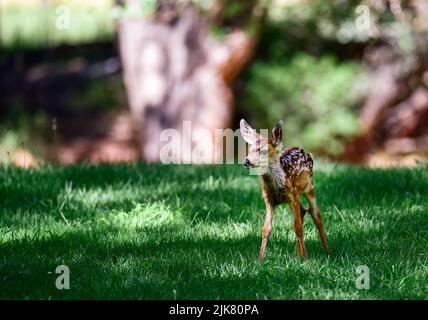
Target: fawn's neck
point(273, 183)
point(274, 175)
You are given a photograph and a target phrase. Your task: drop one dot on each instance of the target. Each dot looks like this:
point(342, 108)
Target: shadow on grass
point(205, 267)
point(176, 260)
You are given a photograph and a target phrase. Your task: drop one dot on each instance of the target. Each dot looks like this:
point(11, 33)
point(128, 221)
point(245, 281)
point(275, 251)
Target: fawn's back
point(294, 161)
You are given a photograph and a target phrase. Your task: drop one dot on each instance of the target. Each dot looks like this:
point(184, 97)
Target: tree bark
point(174, 71)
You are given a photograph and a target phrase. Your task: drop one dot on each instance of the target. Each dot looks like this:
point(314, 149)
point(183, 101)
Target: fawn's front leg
point(298, 227)
point(267, 229)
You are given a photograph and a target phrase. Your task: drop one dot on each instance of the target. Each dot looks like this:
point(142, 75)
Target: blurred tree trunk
point(175, 71)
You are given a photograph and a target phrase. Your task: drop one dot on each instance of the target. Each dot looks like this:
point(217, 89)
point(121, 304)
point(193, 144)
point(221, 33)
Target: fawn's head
point(262, 151)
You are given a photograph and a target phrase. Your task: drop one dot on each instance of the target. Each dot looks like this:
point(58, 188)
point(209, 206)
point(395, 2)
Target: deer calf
point(287, 176)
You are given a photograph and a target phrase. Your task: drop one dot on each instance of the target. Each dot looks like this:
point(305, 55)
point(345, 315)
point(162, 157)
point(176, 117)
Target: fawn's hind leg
point(298, 226)
point(303, 211)
point(316, 215)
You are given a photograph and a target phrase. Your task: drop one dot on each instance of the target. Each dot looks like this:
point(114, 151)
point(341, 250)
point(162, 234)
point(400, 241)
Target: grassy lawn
point(139, 231)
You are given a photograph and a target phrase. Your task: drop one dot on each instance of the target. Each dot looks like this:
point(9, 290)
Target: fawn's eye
point(263, 152)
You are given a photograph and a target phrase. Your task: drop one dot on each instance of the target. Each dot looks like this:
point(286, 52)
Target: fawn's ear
point(277, 133)
point(248, 133)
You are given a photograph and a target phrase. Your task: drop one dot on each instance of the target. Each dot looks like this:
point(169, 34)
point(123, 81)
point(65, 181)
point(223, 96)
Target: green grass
point(165, 232)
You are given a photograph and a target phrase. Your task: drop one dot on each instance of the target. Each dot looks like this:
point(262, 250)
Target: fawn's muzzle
point(246, 163)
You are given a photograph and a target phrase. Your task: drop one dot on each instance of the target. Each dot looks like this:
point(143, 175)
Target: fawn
point(288, 175)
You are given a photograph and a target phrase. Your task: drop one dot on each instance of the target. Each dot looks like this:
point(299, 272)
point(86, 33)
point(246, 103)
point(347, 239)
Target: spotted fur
point(294, 160)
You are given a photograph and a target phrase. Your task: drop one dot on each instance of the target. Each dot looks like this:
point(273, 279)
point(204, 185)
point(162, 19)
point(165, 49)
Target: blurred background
point(98, 81)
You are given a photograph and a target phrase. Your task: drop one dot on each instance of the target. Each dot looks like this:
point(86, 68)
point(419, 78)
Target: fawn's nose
point(246, 163)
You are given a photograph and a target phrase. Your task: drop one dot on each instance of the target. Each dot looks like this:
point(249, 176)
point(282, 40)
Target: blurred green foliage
point(309, 71)
point(99, 96)
point(319, 20)
point(312, 95)
point(301, 75)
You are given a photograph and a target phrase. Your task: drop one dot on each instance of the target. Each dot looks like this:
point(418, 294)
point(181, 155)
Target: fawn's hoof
point(302, 254)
